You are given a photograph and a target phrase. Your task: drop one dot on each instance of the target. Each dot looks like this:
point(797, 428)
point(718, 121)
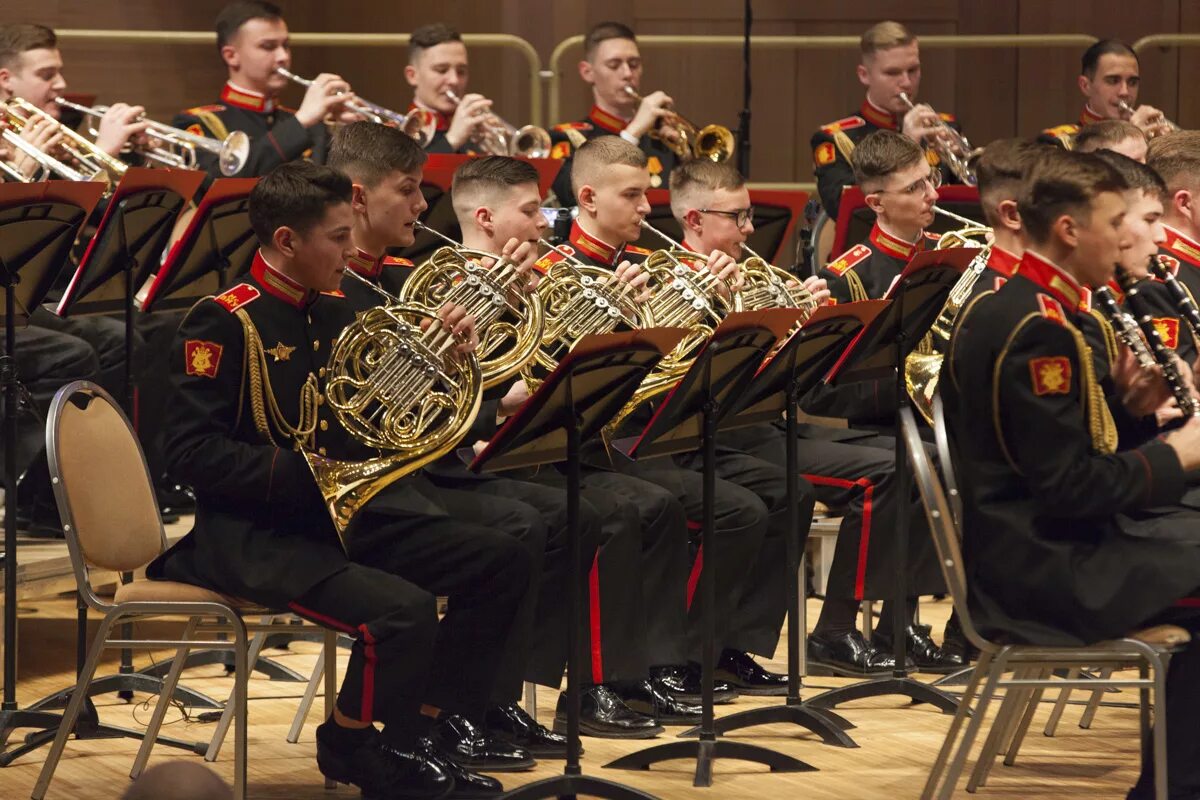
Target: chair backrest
point(941, 438)
point(101, 483)
point(942, 524)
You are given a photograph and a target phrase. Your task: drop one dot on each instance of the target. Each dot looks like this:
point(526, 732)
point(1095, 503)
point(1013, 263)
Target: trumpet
point(174, 148)
point(714, 142)
point(91, 163)
point(415, 123)
point(47, 164)
point(1160, 121)
point(952, 147)
point(500, 138)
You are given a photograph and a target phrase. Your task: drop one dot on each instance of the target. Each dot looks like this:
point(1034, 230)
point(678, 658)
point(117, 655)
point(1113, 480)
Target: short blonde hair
point(884, 36)
point(700, 175)
point(604, 151)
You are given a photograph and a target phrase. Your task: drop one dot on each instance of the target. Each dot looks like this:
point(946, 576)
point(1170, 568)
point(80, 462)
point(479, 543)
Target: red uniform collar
point(896, 248)
point(592, 247)
point(442, 120)
point(280, 285)
point(1087, 116)
point(606, 121)
point(1182, 247)
point(1052, 279)
point(244, 98)
point(366, 264)
point(877, 116)
point(1002, 261)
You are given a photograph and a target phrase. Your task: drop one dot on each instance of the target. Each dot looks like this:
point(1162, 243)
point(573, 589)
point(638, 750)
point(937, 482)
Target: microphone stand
point(743, 147)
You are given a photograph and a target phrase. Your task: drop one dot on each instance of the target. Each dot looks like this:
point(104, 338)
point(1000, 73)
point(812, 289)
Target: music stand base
point(915, 690)
point(826, 724)
point(705, 752)
point(125, 685)
point(273, 670)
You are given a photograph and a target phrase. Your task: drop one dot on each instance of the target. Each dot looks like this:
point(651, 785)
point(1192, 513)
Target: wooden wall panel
point(994, 92)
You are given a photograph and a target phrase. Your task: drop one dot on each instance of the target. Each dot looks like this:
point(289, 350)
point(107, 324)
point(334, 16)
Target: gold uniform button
point(324, 424)
point(321, 451)
point(321, 372)
point(316, 344)
point(320, 399)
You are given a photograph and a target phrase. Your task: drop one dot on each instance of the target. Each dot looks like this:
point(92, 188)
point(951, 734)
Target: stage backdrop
point(995, 93)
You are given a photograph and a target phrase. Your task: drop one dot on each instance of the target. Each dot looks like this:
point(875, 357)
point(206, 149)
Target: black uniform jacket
point(1045, 491)
point(275, 135)
point(569, 136)
point(833, 147)
point(1064, 135)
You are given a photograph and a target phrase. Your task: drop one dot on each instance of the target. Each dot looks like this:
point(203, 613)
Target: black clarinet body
point(1183, 300)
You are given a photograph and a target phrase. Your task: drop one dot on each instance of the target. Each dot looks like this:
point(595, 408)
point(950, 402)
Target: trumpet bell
point(531, 141)
point(234, 153)
point(715, 143)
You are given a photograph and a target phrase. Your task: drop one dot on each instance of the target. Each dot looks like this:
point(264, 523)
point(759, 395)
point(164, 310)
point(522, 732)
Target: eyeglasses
point(934, 179)
point(741, 216)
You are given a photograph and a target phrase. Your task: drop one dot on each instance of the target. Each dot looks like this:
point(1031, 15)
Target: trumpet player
point(890, 67)
point(612, 66)
point(252, 39)
point(438, 72)
point(1109, 81)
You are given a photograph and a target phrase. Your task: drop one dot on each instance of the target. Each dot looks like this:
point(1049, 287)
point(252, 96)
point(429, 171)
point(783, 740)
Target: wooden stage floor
point(897, 742)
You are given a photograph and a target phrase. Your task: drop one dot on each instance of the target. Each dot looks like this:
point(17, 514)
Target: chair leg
point(331, 689)
point(868, 619)
point(1089, 713)
point(991, 744)
point(964, 708)
point(1144, 705)
point(71, 715)
point(531, 699)
point(239, 701)
point(164, 701)
point(218, 737)
point(995, 672)
point(310, 694)
point(1158, 663)
point(1060, 704)
point(1031, 708)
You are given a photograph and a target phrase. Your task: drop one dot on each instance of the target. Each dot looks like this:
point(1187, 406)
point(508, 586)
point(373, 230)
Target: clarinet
point(1163, 355)
point(1183, 301)
point(1124, 326)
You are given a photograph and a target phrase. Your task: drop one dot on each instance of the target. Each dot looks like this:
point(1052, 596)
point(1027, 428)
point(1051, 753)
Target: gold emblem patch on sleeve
point(202, 358)
point(1050, 375)
point(825, 154)
point(1168, 331)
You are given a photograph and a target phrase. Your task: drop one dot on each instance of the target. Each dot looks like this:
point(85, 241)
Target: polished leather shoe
point(603, 714)
point(511, 724)
point(470, 747)
point(683, 681)
point(747, 676)
point(955, 642)
point(175, 498)
point(847, 654)
point(467, 784)
point(651, 697)
point(922, 650)
point(383, 771)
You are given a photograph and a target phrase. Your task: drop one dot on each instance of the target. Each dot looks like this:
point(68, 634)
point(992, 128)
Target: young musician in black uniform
point(1058, 545)
point(54, 350)
point(438, 72)
point(891, 65)
point(252, 38)
point(1176, 157)
point(249, 378)
point(610, 181)
point(612, 66)
point(1109, 81)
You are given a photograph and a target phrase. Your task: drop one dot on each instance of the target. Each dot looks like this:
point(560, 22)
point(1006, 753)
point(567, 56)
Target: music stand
point(775, 390)
point(918, 295)
point(217, 245)
point(132, 234)
point(688, 418)
point(38, 225)
point(574, 403)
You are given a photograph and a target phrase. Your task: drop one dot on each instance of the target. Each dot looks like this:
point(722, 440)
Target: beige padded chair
point(1031, 665)
point(111, 519)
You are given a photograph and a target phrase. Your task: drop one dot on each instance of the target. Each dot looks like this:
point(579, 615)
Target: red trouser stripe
point(694, 578)
point(594, 618)
point(864, 538)
point(368, 691)
point(1189, 602)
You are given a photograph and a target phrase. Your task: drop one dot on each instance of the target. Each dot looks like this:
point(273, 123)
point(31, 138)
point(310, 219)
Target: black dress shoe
point(511, 724)
point(922, 650)
point(651, 697)
point(955, 643)
point(847, 654)
point(603, 714)
point(383, 771)
point(683, 681)
point(39, 521)
point(466, 783)
point(470, 747)
point(745, 674)
point(175, 498)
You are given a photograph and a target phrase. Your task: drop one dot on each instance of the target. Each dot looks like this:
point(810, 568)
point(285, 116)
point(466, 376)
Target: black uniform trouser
point(740, 526)
point(756, 623)
point(157, 330)
point(402, 656)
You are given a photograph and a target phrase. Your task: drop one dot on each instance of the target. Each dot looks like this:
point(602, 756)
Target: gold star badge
point(281, 352)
